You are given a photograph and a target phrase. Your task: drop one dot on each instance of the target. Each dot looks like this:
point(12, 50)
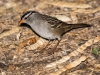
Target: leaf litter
point(32, 61)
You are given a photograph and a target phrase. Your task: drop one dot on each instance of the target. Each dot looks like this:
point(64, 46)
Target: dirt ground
point(34, 62)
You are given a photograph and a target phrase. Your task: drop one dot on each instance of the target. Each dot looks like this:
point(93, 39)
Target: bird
point(48, 27)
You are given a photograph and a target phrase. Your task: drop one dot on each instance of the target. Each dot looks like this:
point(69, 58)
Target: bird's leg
point(45, 46)
point(55, 47)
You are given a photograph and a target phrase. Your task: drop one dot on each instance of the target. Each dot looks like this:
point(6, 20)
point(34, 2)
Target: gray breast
point(43, 29)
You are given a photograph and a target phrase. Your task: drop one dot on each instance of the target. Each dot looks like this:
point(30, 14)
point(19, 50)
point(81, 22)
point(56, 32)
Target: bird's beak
point(21, 21)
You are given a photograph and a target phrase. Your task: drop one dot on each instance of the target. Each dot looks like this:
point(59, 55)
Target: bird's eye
point(25, 17)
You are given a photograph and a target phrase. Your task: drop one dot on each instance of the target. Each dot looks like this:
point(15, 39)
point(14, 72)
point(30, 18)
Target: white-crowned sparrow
point(48, 27)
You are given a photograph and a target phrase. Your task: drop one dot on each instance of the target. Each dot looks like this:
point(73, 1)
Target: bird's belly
point(44, 32)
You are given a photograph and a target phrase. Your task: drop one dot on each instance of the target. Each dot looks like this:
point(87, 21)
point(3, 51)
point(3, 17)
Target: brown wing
point(55, 23)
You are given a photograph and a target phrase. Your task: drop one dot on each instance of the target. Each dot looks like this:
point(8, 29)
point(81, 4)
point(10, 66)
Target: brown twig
point(91, 19)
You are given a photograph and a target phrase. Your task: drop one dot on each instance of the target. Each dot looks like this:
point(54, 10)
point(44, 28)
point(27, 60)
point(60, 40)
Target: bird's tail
point(81, 25)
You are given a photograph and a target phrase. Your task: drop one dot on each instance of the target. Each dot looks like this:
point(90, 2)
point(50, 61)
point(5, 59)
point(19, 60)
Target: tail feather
point(81, 25)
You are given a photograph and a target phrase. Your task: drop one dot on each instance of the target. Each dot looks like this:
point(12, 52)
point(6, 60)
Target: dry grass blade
point(87, 11)
point(74, 53)
point(69, 66)
point(12, 31)
point(69, 4)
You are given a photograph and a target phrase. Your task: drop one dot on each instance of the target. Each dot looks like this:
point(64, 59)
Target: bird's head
point(27, 17)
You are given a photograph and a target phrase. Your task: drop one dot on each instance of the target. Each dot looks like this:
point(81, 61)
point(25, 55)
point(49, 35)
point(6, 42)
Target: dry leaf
point(40, 42)
point(63, 18)
point(69, 4)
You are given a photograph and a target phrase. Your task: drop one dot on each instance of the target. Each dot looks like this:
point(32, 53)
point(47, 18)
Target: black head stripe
point(26, 13)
